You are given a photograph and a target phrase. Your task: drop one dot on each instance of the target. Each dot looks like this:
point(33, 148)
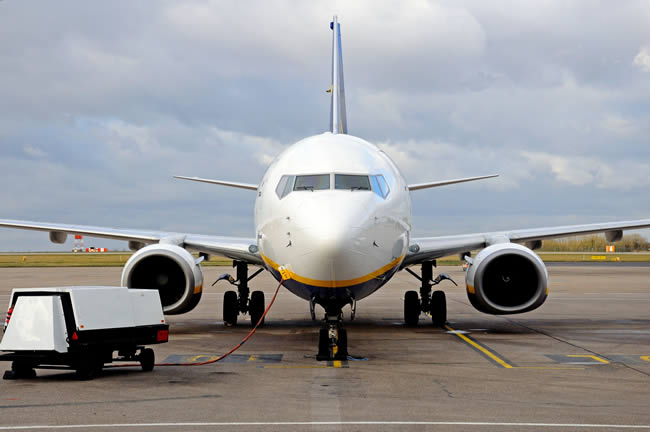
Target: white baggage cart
point(81, 328)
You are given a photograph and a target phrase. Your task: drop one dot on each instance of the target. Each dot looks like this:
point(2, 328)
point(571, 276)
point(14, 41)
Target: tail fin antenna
point(338, 120)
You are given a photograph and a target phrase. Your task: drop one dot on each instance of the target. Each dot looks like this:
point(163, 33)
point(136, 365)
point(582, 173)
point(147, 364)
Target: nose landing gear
point(332, 338)
point(241, 301)
point(433, 303)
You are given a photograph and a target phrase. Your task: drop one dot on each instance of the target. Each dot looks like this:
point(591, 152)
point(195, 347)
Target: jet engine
point(506, 278)
point(171, 270)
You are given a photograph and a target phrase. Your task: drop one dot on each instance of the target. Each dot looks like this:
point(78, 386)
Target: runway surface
point(580, 362)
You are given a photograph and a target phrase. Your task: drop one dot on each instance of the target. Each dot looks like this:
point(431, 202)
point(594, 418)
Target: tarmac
point(580, 362)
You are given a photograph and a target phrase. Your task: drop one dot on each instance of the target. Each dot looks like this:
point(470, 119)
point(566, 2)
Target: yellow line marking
point(297, 367)
point(335, 284)
point(548, 367)
point(598, 359)
point(480, 348)
point(337, 364)
point(646, 358)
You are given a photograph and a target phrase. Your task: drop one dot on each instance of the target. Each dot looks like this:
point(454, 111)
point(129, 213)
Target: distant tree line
point(596, 243)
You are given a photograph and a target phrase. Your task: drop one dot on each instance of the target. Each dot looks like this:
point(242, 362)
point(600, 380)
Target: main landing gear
point(435, 304)
point(240, 301)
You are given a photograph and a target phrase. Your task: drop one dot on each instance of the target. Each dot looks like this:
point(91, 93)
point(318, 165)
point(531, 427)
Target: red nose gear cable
point(251, 333)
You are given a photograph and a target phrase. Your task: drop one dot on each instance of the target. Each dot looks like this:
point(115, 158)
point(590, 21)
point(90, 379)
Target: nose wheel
point(332, 339)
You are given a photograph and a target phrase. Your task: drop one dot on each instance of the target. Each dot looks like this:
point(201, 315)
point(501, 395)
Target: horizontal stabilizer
point(220, 182)
point(448, 182)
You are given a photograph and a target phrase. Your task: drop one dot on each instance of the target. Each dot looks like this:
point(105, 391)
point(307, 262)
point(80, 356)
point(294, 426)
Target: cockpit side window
point(312, 182)
point(351, 182)
point(285, 186)
point(380, 186)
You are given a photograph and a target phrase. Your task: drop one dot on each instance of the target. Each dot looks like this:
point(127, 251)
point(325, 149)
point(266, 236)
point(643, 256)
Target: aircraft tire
point(256, 308)
point(342, 345)
point(230, 308)
point(411, 308)
point(323, 345)
point(438, 308)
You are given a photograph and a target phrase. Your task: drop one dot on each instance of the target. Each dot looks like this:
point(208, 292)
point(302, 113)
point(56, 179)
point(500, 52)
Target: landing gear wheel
point(230, 308)
point(256, 308)
point(323, 345)
point(147, 359)
point(342, 345)
point(438, 308)
point(411, 308)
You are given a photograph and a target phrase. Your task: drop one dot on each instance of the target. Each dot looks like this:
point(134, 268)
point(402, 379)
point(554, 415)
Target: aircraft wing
point(230, 247)
point(429, 248)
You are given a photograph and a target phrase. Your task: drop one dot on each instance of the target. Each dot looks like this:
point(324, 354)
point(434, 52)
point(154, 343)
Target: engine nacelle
point(506, 278)
point(171, 270)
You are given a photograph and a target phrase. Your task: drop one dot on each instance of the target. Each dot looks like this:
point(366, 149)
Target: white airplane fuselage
point(338, 244)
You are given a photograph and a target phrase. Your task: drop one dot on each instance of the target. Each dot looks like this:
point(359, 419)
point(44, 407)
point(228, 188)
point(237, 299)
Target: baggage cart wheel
point(147, 359)
point(98, 366)
point(85, 370)
point(20, 370)
point(88, 365)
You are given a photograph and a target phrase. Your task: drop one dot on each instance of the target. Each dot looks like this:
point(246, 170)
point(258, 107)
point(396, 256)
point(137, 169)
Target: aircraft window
point(379, 185)
point(312, 182)
point(284, 186)
point(351, 182)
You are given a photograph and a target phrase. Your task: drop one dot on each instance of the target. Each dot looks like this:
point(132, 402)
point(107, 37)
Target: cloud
point(581, 171)
point(620, 125)
point(34, 151)
point(642, 59)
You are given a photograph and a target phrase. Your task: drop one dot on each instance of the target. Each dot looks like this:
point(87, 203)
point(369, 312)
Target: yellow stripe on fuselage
point(336, 284)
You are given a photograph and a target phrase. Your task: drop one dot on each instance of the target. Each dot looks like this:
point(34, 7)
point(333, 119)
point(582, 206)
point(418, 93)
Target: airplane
point(333, 212)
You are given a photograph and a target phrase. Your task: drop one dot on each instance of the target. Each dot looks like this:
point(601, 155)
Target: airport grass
point(82, 260)
point(119, 259)
point(581, 257)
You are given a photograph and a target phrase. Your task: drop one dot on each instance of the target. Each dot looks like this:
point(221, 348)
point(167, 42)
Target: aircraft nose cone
point(330, 227)
point(329, 239)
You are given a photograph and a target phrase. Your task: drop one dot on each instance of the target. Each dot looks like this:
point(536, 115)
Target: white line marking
point(333, 423)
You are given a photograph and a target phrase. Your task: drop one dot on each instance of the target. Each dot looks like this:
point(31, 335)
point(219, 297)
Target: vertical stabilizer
point(338, 120)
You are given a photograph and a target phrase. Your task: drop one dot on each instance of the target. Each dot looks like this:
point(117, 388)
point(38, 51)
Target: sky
point(101, 103)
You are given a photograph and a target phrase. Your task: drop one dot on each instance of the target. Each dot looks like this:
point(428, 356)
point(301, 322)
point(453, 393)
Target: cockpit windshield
point(312, 182)
point(351, 182)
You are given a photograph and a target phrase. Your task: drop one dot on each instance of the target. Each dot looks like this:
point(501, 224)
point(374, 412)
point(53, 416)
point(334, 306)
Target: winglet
point(338, 119)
